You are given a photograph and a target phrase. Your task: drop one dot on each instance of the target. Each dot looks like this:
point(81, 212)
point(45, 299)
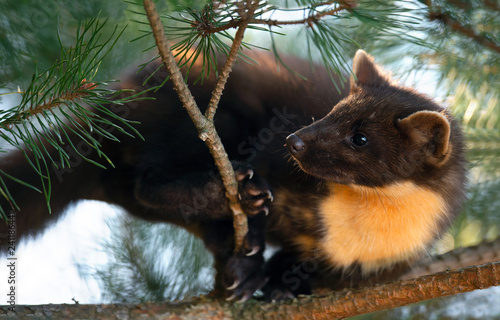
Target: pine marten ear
point(430, 131)
point(366, 72)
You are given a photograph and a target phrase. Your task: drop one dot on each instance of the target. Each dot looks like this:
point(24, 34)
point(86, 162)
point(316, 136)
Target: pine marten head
point(393, 161)
point(381, 133)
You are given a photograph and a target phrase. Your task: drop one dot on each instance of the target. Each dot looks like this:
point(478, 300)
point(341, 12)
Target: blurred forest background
point(451, 52)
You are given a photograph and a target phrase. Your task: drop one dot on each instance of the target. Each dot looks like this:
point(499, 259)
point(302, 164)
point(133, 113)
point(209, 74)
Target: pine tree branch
point(231, 24)
point(228, 66)
point(468, 5)
point(466, 31)
point(310, 20)
point(435, 14)
point(494, 5)
point(337, 305)
point(348, 303)
point(54, 102)
point(485, 252)
point(204, 126)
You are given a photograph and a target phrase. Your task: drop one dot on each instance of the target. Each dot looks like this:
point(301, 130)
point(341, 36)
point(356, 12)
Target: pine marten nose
point(295, 144)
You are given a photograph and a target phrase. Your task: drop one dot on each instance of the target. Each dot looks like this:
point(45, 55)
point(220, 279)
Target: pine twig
point(34, 126)
point(205, 126)
point(456, 26)
point(228, 66)
point(467, 5)
point(493, 5)
point(54, 102)
point(310, 20)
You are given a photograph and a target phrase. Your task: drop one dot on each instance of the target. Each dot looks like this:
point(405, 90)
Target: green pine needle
point(54, 104)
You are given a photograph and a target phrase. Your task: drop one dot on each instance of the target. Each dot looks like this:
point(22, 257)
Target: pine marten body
point(382, 173)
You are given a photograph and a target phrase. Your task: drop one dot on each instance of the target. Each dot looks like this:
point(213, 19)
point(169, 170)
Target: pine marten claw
point(234, 285)
point(266, 211)
point(244, 298)
point(258, 203)
point(253, 191)
point(270, 195)
point(255, 249)
point(250, 174)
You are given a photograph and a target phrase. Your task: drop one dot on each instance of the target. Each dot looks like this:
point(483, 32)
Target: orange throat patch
point(378, 227)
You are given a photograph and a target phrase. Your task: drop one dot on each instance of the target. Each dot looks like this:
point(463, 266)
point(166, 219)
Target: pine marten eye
point(359, 139)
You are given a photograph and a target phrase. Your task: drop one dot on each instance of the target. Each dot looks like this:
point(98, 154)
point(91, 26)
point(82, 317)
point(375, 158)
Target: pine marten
point(367, 189)
point(392, 170)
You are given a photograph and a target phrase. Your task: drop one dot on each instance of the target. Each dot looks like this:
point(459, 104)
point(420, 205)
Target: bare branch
point(204, 126)
point(345, 303)
point(337, 305)
point(482, 253)
point(170, 64)
point(228, 66)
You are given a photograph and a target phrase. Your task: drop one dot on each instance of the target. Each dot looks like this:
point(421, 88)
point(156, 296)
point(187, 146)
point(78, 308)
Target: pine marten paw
point(277, 289)
point(243, 277)
point(253, 191)
point(287, 277)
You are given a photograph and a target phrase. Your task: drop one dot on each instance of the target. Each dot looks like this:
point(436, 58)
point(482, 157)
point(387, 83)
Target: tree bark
point(337, 305)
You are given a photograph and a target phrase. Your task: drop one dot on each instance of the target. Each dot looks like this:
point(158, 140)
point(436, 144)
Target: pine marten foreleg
point(197, 202)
